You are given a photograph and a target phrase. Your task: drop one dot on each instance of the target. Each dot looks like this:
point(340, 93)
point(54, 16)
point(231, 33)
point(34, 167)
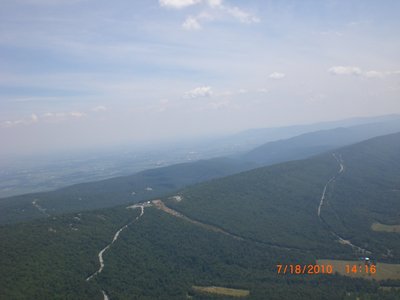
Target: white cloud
point(277, 75)
point(8, 124)
point(374, 74)
point(185, 3)
point(34, 118)
point(178, 3)
point(26, 121)
point(48, 115)
point(203, 91)
point(191, 23)
point(380, 74)
point(214, 3)
point(99, 108)
point(62, 116)
point(345, 70)
point(351, 70)
point(242, 16)
point(77, 114)
point(216, 10)
point(329, 33)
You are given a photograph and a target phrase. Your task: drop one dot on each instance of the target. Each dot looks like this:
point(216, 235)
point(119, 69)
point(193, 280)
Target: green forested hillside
point(163, 257)
point(270, 213)
point(157, 257)
point(111, 192)
point(286, 196)
point(50, 258)
point(255, 203)
point(368, 191)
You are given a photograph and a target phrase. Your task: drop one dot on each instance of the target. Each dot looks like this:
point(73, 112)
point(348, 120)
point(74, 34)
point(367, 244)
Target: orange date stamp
point(311, 269)
point(315, 269)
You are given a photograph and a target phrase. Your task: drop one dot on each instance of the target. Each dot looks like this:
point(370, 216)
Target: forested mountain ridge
point(156, 182)
point(288, 194)
point(110, 192)
point(270, 215)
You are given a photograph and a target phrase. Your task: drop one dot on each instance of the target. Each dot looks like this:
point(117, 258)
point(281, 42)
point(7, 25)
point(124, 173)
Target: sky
point(93, 73)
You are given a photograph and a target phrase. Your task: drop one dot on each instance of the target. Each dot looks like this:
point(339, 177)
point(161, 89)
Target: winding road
point(161, 205)
point(341, 170)
point(41, 209)
point(321, 203)
point(115, 238)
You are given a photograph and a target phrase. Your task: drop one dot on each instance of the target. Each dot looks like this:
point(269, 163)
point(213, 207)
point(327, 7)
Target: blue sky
point(79, 73)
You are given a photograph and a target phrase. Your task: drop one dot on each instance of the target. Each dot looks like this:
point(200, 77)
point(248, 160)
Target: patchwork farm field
point(222, 291)
point(379, 227)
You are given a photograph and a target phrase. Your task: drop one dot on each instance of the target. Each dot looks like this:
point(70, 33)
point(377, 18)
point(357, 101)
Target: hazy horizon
point(81, 74)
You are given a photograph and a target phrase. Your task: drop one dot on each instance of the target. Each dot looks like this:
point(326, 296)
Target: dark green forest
point(278, 204)
point(272, 209)
point(158, 257)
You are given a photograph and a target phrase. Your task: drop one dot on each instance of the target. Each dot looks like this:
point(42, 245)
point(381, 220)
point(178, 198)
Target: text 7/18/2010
point(312, 269)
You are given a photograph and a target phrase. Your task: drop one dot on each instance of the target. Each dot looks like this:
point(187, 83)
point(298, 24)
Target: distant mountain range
point(308, 144)
point(51, 171)
point(156, 182)
point(252, 138)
